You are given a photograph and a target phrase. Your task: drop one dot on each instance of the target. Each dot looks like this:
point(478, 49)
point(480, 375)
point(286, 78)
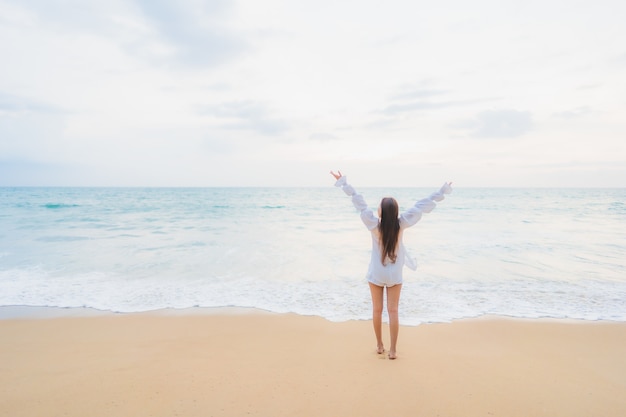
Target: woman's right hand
point(337, 175)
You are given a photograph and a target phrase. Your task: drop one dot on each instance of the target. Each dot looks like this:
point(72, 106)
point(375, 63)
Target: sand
point(253, 364)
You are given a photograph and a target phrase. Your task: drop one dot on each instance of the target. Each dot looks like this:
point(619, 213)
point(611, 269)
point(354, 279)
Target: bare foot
point(392, 355)
point(380, 350)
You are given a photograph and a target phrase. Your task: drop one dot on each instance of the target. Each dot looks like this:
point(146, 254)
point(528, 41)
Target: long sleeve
point(425, 205)
point(367, 216)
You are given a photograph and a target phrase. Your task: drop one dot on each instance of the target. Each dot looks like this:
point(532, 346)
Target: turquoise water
point(516, 252)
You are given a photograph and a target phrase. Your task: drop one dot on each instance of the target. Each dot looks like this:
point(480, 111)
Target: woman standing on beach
point(388, 252)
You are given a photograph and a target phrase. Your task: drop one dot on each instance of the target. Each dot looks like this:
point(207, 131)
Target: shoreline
point(233, 362)
point(19, 312)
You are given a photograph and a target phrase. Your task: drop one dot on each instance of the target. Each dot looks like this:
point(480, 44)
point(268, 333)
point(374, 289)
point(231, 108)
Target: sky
point(277, 93)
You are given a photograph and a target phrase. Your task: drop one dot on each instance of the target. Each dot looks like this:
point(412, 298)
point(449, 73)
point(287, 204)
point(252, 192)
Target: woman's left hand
point(337, 175)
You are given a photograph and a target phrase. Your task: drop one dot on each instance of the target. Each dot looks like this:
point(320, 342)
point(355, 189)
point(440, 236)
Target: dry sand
point(287, 365)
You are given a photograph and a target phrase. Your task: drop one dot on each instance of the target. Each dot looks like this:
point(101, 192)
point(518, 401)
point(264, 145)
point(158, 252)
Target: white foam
point(336, 300)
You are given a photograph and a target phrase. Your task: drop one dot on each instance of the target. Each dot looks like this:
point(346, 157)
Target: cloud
point(619, 60)
point(247, 115)
point(202, 83)
point(66, 15)
point(10, 103)
point(386, 124)
point(430, 105)
point(323, 137)
point(26, 172)
point(193, 33)
point(31, 135)
point(421, 93)
point(217, 146)
point(498, 124)
point(190, 33)
point(576, 113)
point(589, 86)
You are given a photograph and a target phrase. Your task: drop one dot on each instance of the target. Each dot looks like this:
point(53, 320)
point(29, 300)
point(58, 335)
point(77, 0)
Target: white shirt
point(390, 274)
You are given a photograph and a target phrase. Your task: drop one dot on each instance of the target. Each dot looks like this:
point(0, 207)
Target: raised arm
point(425, 205)
point(367, 216)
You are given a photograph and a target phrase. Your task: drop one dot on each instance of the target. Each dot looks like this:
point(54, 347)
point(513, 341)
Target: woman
point(388, 252)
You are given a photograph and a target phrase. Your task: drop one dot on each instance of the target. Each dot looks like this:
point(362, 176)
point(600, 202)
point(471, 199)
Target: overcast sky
point(277, 93)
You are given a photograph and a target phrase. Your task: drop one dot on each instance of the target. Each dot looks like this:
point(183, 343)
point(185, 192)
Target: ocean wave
point(55, 206)
point(513, 253)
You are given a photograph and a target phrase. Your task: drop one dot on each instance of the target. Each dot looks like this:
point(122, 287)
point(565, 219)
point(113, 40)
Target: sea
point(514, 252)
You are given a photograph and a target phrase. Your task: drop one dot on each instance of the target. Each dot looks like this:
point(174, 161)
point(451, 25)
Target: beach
point(248, 362)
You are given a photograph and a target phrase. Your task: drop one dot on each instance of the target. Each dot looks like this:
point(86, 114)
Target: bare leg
point(377, 314)
point(393, 299)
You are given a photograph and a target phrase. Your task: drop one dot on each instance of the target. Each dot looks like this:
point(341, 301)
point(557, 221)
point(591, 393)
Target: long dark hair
point(389, 228)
